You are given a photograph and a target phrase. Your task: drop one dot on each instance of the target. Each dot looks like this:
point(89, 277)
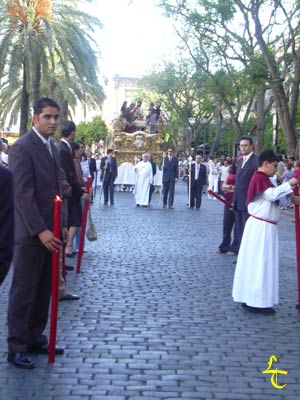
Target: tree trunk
point(36, 82)
point(282, 105)
point(260, 113)
point(24, 104)
point(64, 110)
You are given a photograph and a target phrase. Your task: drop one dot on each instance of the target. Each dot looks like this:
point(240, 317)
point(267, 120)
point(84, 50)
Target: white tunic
point(144, 177)
point(256, 275)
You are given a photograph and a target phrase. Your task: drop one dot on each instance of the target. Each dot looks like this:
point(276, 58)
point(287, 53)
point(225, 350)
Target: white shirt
point(67, 143)
point(246, 158)
point(47, 142)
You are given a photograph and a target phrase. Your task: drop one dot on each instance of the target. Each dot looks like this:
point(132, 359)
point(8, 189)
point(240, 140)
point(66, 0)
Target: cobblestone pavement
point(156, 319)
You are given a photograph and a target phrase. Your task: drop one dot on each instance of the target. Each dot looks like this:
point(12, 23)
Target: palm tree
point(37, 38)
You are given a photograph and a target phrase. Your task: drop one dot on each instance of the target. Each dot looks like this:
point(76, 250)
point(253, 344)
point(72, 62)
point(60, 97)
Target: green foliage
point(91, 132)
point(49, 49)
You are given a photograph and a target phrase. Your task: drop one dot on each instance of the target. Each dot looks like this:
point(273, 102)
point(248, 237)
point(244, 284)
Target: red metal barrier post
point(55, 272)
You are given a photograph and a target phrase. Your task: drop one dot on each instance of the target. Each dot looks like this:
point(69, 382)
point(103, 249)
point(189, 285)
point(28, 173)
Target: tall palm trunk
point(24, 104)
point(36, 82)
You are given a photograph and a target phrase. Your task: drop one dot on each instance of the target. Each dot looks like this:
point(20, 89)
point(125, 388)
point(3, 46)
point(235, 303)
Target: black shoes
point(69, 267)
point(44, 349)
point(69, 296)
point(258, 310)
point(20, 360)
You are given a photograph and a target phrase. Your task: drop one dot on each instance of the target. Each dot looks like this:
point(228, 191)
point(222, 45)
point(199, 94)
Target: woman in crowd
point(228, 247)
point(75, 210)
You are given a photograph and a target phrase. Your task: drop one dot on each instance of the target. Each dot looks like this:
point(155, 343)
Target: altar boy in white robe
point(256, 283)
point(144, 178)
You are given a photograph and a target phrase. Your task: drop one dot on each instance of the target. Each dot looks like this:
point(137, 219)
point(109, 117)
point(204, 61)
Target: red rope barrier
point(83, 226)
point(229, 205)
point(54, 291)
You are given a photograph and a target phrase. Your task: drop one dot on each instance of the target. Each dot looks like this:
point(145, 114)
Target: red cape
point(258, 184)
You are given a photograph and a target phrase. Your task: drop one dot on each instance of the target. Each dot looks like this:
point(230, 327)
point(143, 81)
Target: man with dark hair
point(110, 172)
point(67, 131)
point(170, 175)
point(35, 165)
point(6, 221)
point(246, 167)
point(256, 276)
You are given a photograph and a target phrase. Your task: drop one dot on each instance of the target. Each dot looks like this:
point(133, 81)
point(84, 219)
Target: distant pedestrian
point(170, 176)
point(144, 178)
point(110, 172)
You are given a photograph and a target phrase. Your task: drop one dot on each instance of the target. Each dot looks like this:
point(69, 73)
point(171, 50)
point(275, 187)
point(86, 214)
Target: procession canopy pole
point(54, 289)
point(83, 225)
point(297, 234)
point(95, 185)
point(229, 205)
point(190, 179)
point(162, 180)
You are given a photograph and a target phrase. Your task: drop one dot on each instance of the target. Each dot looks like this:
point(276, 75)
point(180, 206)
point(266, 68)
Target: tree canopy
point(249, 52)
point(46, 48)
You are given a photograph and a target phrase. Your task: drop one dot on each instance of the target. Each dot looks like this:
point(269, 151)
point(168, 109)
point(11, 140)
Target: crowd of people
point(134, 112)
point(35, 170)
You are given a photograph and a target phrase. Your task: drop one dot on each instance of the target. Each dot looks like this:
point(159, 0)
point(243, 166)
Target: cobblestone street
point(156, 319)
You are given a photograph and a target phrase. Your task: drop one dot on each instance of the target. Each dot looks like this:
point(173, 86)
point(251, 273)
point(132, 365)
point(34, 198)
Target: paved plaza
point(156, 320)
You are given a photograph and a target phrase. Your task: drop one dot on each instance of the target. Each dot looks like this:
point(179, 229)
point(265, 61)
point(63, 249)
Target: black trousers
point(228, 226)
point(151, 190)
point(169, 190)
point(196, 194)
point(108, 189)
point(29, 297)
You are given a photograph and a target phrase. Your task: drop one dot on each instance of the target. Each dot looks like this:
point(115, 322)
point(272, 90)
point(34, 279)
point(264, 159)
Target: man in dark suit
point(35, 165)
point(93, 170)
point(170, 175)
point(110, 172)
point(246, 167)
point(198, 180)
point(6, 221)
point(92, 163)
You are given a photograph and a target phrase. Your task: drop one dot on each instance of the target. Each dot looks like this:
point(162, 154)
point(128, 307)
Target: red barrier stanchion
point(229, 205)
point(54, 291)
point(83, 225)
point(297, 234)
point(63, 260)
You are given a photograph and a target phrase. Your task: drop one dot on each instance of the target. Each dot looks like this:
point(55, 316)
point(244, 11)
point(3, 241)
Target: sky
point(134, 37)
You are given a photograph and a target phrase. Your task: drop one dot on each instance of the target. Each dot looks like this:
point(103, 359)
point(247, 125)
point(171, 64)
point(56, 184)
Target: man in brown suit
point(35, 165)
